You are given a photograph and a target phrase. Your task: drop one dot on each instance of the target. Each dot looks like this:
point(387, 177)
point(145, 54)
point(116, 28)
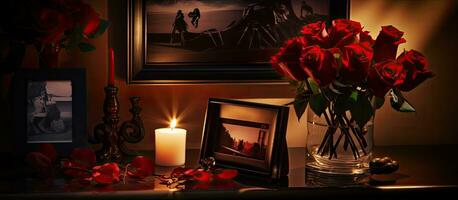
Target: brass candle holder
point(108, 133)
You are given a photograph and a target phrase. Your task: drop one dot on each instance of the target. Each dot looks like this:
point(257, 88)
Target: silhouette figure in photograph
point(240, 147)
point(180, 26)
point(306, 10)
point(195, 16)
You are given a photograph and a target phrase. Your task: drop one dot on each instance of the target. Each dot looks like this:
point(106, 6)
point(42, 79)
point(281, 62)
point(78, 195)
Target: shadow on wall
point(431, 28)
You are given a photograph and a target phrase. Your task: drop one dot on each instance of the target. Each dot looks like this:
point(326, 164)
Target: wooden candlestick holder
point(113, 138)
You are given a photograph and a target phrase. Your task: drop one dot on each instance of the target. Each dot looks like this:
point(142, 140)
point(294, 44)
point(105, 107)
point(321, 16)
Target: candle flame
point(173, 123)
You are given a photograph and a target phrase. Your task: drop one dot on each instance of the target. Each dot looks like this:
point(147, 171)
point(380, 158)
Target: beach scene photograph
point(219, 31)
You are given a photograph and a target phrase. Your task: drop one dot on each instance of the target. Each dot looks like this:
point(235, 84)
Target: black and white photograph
point(49, 111)
point(243, 138)
point(217, 31)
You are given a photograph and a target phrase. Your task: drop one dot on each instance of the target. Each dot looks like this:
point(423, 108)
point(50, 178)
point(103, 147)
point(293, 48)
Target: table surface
point(422, 169)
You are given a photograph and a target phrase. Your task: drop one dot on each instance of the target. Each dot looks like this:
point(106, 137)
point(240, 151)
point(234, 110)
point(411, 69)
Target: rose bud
point(384, 76)
point(315, 33)
point(286, 61)
point(319, 64)
point(344, 32)
point(356, 60)
point(387, 42)
point(416, 67)
point(106, 174)
point(91, 20)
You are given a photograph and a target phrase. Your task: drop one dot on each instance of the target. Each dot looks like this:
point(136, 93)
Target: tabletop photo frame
point(249, 137)
point(188, 42)
point(50, 107)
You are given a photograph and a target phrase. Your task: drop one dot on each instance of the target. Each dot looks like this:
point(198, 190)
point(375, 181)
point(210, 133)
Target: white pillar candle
point(170, 146)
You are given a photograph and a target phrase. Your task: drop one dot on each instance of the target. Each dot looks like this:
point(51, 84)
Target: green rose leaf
point(313, 86)
point(300, 104)
point(85, 47)
point(101, 29)
point(345, 101)
point(318, 104)
point(361, 110)
point(399, 103)
point(75, 37)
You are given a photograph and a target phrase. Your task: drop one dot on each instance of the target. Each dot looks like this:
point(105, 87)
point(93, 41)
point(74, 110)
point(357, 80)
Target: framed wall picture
point(211, 41)
point(50, 107)
point(249, 137)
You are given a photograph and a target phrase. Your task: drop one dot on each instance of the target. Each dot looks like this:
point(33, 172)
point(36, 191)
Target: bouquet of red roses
point(341, 69)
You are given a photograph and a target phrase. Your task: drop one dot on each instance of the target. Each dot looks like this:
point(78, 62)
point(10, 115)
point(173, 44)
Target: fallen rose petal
point(180, 171)
point(140, 167)
point(39, 163)
point(202, 176)
point(48, 150)
point(74, 169)
point(225, 174)
point(84, 156)
point(106, 174)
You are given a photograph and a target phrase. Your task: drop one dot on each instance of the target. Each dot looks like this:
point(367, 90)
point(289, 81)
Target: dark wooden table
point(424, 170)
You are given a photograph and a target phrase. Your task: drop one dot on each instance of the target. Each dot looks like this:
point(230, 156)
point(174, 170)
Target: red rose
point(319, 64)
point(49, 150)
point(315, 33)
point(50, 25)
point(387, 42)
point(286, 61)
point(106, 174)
point(90, 20)
point(343, 32)
point(83, 156)
point(141, 167)
point(40, 164)
point(385, 76)
point(366, 39)
point(356, 60)
point(416, 67)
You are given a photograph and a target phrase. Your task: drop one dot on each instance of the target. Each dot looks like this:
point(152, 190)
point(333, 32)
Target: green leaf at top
point(399, 103)
point(362, 110)
point(101, 29)
point(74, 38)
point(353, 96)
point(313, 86)
point(85, 47)
point(318, 104)
point(300, 104)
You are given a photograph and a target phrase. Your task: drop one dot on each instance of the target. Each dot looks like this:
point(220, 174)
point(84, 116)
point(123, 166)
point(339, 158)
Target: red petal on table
point(106, 174)
point(202, 176)
point(225, 174)
point(84, 156)
point(39, 163)
point(180, 171)
point(201, 186)
point(75, 169)
point(140, 167)
point(48, 150)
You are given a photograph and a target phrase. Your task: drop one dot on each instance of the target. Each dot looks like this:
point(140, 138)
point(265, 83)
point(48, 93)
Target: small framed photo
point(49, 107)
point(249, 137)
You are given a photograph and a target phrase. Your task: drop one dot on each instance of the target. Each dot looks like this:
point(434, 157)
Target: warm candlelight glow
point(173, 123)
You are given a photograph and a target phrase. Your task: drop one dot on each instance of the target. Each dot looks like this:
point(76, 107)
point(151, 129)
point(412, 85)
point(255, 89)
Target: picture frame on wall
point(249, 137)
point(50, 107)
point(209, 41)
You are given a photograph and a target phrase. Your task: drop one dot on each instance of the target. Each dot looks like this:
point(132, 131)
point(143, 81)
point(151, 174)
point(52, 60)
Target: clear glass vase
point(337, 145)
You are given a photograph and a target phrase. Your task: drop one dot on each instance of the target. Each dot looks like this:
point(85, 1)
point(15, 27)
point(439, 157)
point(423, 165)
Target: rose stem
point(350, 140)
point(356, 135)
point(335, 146)
point(356, 131)
point(345, 144)
point(331, 127)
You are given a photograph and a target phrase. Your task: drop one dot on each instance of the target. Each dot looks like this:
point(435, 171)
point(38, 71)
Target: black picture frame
point(141, 72)
point(275, 165)
point(22, 80)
